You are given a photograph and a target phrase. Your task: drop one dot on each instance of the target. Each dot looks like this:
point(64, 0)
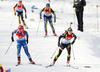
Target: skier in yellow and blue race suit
point(48, 17)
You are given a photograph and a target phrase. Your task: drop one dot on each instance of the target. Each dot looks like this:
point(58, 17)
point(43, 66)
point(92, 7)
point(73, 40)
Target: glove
point(58, 44)
point(26, 16)
point(14, 13)
point(54, 21)
point(72, 42)
point(40, 17)
point(27, 41)
point(12, 39)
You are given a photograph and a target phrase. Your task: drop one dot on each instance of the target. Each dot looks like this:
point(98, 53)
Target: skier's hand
point(27, 41)
point(12, 39)
point(72, 42)
point(58, 44)
point(26, 16)
point(55, 21)
point(14, 13)
point(40, 17)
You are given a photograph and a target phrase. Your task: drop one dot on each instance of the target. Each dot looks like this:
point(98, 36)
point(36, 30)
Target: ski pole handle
point(8, 47)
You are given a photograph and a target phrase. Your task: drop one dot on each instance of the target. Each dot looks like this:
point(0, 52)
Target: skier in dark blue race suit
point(22, 41)
point(48, 17)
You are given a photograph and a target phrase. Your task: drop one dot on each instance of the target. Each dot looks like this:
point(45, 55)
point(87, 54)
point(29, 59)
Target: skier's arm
point(24, 9)
point(74, 38)
point(54, 15)
point(12, 38)
point(26, 33)
point(14, 9)
point(61, 36)
point(41, 13)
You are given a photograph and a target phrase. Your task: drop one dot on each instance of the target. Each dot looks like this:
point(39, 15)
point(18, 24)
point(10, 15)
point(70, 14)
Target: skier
point(65, 43)
point(1, 68)
point(48, 17)
point(21, 41)
point(79, 8)
point(19, 9)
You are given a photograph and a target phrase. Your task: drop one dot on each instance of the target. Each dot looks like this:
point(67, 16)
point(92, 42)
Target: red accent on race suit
point(47, 11)
point(20, 7)
point(20, 35)
point(1, 69)
point(69, 37)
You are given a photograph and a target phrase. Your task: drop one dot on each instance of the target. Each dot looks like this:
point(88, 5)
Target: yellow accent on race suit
point(48, 10)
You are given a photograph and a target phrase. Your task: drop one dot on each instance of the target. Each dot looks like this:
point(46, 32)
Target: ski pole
point(73, 53)
point(54, 52)
point(8, 47)
point(97, 18)
point(38, 27)
point(12, 20)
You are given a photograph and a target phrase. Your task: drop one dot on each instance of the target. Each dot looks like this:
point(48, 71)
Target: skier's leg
point(18, 52)
point(27, 52)
point(69, 53)
point(19, 18)
point(22, 18)
point(52, 27)
point(62, 46)
point(57, 56)
point(45, 26)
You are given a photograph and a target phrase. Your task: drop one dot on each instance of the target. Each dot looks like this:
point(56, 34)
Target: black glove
point(12, 39)
point(58, 44)
point(27, 41)
point(72, 42)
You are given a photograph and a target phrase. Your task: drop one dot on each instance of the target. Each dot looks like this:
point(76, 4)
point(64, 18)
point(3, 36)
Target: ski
point(73, 67)
point(49, 66)
point(36, 64)
point(45, 36)
point(18, 64)
point(50, 36)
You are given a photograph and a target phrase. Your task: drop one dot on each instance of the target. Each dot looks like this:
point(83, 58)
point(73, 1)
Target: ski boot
point(54, 33)
point(68, 65)
point(32, 62)
point(18, 61)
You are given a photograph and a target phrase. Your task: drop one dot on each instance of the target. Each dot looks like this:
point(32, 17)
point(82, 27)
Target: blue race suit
point(21, 41)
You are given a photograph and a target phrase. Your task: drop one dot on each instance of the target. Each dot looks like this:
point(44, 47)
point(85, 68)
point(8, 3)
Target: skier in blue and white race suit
point(22, 41)
point(48, 17)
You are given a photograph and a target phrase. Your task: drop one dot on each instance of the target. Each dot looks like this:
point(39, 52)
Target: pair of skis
point(30, 63)
point(65, 66)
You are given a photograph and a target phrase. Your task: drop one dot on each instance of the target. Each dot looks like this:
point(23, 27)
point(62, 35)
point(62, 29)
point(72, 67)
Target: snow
point(86, 48)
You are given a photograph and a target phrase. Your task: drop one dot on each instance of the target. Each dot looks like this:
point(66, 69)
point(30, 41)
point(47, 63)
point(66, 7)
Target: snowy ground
point(86, 47)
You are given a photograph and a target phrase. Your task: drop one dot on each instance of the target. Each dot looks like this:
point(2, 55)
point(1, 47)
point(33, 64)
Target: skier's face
point(47, 8)
point(69, 32)
point(20, 30)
